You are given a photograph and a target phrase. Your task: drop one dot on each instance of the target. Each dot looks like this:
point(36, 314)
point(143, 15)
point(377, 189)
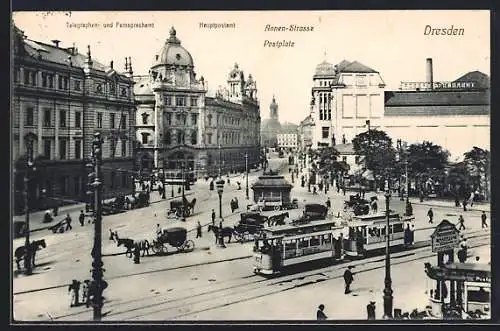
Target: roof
point(355, 67)
point(142, 86)
point(59, 55)
point(289, 128)
point(307, 120)
point(271, 181)
point(482, 80)
point(172, 53)
point(345, 149)
point(437, 103)
point(324, 70)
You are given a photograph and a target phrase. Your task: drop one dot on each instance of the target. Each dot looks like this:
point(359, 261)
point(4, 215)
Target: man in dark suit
point(320, 315)
point(348, 278)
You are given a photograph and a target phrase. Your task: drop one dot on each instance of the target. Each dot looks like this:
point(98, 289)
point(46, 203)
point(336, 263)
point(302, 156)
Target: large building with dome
point(179, 126)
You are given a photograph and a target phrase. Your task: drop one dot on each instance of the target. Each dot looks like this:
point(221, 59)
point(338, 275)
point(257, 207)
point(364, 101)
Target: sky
point(391, 42)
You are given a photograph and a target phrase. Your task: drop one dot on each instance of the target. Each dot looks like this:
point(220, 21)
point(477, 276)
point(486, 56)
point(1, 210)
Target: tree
point(477, 162)
point(427, 163)
point(379, 155)
point(458, 181)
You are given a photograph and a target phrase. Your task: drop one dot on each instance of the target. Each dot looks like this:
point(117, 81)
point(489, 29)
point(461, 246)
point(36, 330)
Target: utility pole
point(98, 284)
point(30, 169)
point(388, 298)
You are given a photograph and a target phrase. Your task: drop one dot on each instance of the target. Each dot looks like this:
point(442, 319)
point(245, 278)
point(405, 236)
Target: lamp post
point(30, 169)
point(163, 196)
point(220, 188)
point(246, 172)
point(387, 280)
point(97, 271)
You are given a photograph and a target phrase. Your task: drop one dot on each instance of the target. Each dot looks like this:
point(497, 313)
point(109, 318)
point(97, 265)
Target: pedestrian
point(421, 196)
point(483, 220)
point(158, 231)
point(462, 255)
point(111, 235)
point(314, 190)
point(137, 254)
point(68, 222)
point(320, 314)
point(464, 203)
point(461, 222)
point(213, 217)
point(348, 279)
point(430, 214)
point(477, 259)
point(85, 293)
point(328, 203)
point(81, 218)
point(409, 208)
point(343, 190)
point(74, 289)
point(457, 201)
point(198, 230)
point(370, 310)
point(407, 234)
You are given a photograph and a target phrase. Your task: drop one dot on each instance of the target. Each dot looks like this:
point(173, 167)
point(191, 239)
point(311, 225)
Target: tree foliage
point(376, 148)
point(477, 162)
point(427, 161)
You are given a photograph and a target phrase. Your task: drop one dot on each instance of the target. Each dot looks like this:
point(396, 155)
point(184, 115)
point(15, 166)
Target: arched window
point(179, 137)
point(145, 118)
point(209, 117)
point(194, 138)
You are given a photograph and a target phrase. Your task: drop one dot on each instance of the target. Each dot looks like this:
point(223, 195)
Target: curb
point(486, 209)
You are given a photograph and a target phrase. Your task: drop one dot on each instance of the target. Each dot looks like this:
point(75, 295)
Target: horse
point(226, 232)
point(128, 243)
point(278, 219)
point(144, 246)
point(32, 248)
point(130, 202)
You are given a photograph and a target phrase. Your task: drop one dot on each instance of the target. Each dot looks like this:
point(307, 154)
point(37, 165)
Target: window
point(51, 80)
point(124, 121)
point(194, 101)
point(60, 82)
point(66, 84)
point(180, 101)
point(209, 138)
point(46, 148)
point(112, 88)
point(325, 131)
point(194, 138)
point(194, 119)
point(78, 149)
point(76, 186)
point(112, 147)
point(26, 77)
point(99, 120)
point(78, 119)
point(33, 78)
point(145, 138)
point(180, 137)
point(144, 118)
point(169, 118)
point(168, 138)
point(124, 148)
point(29, 116)
point(209, 117)
point(112, 177)
point(124, 92)
point(46, 117)
point(168, 100)
point(44, 79)
point(62, 118)
point(344, 158)
point(62, 149)
point(77, 85)
point(177, 118)
point(112, 120)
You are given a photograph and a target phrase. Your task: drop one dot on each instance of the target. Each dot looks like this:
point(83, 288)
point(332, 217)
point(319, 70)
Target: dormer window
point(124, 92)
point(112, 88)
point(178, 56)
point(98, 88)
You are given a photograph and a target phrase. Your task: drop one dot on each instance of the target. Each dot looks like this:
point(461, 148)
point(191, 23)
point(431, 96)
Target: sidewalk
point(478, 206)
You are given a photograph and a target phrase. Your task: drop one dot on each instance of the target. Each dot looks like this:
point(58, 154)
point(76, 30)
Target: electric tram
point(367, 233)
point(288, 245)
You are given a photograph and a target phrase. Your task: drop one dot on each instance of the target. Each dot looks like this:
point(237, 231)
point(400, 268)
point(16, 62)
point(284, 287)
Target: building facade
point(180, 127)
point(60, 99)
point(344, 97)
point(350, 98)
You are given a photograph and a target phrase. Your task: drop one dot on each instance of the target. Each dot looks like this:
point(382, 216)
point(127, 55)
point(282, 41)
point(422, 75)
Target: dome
point(324, 69)
point(172, 53)
point(236, 72)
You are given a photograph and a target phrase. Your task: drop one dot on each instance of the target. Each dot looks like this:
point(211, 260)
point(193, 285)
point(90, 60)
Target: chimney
point(429, 73)
point(111, 64)
point(56, 42)
point(156, 57)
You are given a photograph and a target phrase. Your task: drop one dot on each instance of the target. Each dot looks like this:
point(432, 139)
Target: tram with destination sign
point(367, 233)
point(288, 245)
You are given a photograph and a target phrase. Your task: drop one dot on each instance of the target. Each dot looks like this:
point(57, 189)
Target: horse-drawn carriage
point(247, 229)
point(181, 208)
point(117, 205)
point(138, 200)
point(175, 237)
point(358, 205)
point(59, 227)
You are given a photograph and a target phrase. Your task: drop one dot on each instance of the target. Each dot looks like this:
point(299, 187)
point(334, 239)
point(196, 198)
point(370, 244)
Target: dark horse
point(32, 248)
point(128, 243)
point(277, 219)
point(226, 232)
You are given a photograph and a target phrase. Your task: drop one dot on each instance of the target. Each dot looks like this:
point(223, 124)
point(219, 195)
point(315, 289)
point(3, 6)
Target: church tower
point(236, 83)
point(273, 110)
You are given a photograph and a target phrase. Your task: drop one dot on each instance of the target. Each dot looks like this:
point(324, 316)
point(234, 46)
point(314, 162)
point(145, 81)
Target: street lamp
point(220, 188)
point(387, 280)
point(246, 172)
point(30, 169)
point(97, 266)
point(163, 180)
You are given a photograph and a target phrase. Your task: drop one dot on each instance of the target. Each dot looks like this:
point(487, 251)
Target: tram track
point(230, 291)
